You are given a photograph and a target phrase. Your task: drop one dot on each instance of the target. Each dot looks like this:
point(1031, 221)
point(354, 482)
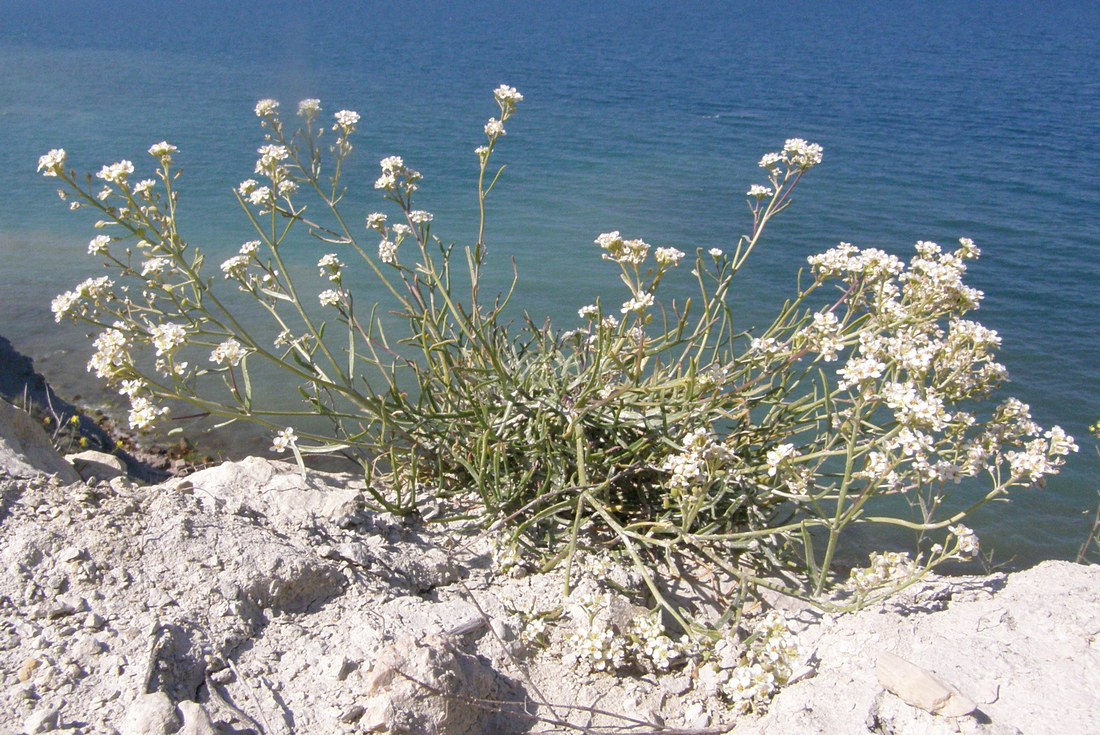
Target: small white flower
point(143, 412)
point(506, 95)
point(494, 128)
point(154, 266)
point(967, 539)
point(308, 108)
point(330, 297)
point(63, 304)
point(777, 456)
point(270, 156)
point(52, 163)
point(266, 107)
point(247, 187)
point(759, 192)
point(588, 312)
point(235, 266)
point(144, 186)
point(229, 351)
point(287, 188)
point(284, 440)
point(162, 150)
point(387, 252)
point(250, 248)
point(116, 173)
point(376, 221)
point(419, 216)
point(393, 170)
point(346, 120)
point(167, 337)
point(98, 245)
point(801, 154)
point(668, 256)
point(131, 388)
point(639, 303)
point(329, 266)
point(260, 196)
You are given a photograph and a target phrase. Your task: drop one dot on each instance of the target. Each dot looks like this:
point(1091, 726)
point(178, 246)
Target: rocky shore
point(248, 598)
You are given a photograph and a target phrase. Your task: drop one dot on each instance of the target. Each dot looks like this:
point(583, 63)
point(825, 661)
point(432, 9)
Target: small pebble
point(43, 720)
point(353, 713)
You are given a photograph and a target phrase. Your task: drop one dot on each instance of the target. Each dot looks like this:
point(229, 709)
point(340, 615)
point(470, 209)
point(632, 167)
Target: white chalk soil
point(249, 598)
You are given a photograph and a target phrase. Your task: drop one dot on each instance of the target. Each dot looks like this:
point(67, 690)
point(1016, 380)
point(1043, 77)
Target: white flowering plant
point(654, 425)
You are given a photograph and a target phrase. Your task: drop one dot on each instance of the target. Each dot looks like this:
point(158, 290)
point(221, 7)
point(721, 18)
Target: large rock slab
point(1025, 649)
point(26, 449)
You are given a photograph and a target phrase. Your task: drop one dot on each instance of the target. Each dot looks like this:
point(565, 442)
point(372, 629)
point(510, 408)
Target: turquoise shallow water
point(937, 121)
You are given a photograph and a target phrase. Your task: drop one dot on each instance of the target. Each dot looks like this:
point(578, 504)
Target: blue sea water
point(938, 119)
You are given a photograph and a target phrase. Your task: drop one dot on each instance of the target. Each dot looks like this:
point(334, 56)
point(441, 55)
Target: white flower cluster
point(887, 568)
point(112, 354)
point(767, 347)
point(330, 297)
point(590, 312)
point(507, 97)
point(329, 266)
point(823, 335)
point(638, 303)
point(267, 107)
point(309, 108)
point(154, 268)
point(387, 251)
point(396, 176)
point(506, 555)
point(651, 643)
point(162, 151)
point(166, 338)
point(236, 266)
point(848, 262)
point(748, 675)
point(789, 475)
point(917, 356)
point(533, 632)
point(230, 351)
point(967, 540)
point(914, 406)
point(693, 468)
point(98, 245)
point(268, 164)
point(668, 257)
point(52, 163)
point(777, 456)
point(144, 412)
point(346, 120)
point(259, 196)
point(494, 129)
point(116, 173)
point(284, 440)
point(595, 646)
point(797, 155)
point(376, 221)
point(71, 303)
point(623, 252)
